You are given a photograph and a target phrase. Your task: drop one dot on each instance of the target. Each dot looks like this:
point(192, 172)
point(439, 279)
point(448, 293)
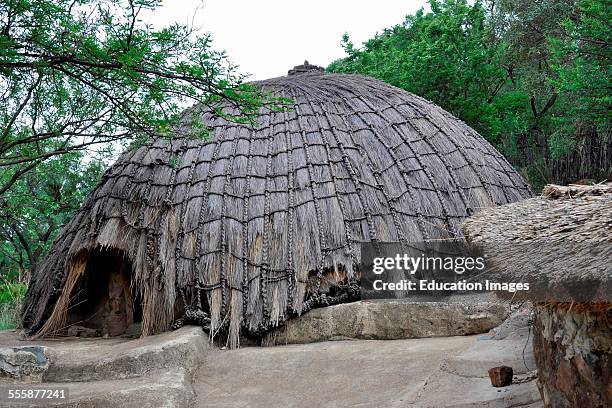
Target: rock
point(119, 358)
point(82, 331)
point(25, 364)
point(388, 320)
point(133, 331)
point(516, 324)
point(501, 376)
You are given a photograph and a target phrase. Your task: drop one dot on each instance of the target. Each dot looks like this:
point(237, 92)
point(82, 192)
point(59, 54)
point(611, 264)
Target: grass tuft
point(11, 296)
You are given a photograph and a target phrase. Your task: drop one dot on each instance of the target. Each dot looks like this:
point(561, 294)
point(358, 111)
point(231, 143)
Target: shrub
point(11, 295)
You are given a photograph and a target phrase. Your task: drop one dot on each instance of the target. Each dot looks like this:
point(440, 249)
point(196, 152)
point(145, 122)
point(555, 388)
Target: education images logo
point(428, 268)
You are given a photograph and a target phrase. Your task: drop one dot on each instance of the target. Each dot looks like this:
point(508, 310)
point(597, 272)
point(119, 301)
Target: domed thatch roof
point(258, 219)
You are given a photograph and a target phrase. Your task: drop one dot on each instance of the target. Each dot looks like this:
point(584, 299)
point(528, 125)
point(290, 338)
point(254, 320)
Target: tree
point(581, 60)
point(526, 27)
point(533, 77)
point(37, 205)
point(568, 116)
point(449, 56)
point(76, 74)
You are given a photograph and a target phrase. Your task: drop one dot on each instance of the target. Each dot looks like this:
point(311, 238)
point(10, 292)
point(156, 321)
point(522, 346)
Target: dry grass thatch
point(561, 243)
point(252, 215)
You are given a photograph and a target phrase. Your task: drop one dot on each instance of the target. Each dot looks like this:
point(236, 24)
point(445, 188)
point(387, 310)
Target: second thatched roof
point(559, 243)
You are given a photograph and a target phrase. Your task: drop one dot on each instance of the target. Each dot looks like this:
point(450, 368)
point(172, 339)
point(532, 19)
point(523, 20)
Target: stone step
point(162, 388)
point(181, 348)
point(82, 360)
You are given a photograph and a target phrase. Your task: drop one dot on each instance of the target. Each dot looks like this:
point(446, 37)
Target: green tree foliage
point(81, 73)
point(37, 205)
point(449, 56)
point(531, 76)
point(581, 60)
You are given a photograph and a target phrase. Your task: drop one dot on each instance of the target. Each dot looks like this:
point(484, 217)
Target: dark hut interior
point(102, 300)
point(257, 224)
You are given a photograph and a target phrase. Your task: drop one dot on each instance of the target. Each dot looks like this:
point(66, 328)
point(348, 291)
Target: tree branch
point(16, 176)
point(20, 108)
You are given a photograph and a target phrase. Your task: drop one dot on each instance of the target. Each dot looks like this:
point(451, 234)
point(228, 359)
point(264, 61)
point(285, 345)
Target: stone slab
point(181, 348)
point(165, 388)
point(485, 354)
point(105, 359)
point(390, 320)
point(329, 374)
point(448, 390)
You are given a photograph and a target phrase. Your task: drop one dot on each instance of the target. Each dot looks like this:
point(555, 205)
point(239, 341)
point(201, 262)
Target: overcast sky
point(268, 37)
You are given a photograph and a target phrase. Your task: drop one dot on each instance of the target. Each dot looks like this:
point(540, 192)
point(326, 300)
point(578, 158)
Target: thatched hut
point(561, 245)
point(257, 223)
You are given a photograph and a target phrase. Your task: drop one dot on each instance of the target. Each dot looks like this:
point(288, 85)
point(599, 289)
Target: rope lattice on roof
point(261, 223)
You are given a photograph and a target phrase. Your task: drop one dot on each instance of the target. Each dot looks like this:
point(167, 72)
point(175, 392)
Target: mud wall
point(573, 352)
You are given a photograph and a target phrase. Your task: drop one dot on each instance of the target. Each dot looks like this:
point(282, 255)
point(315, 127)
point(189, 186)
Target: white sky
point(268, 37)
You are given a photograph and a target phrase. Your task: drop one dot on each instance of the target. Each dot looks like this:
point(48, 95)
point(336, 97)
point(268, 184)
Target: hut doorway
point(103, 303)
